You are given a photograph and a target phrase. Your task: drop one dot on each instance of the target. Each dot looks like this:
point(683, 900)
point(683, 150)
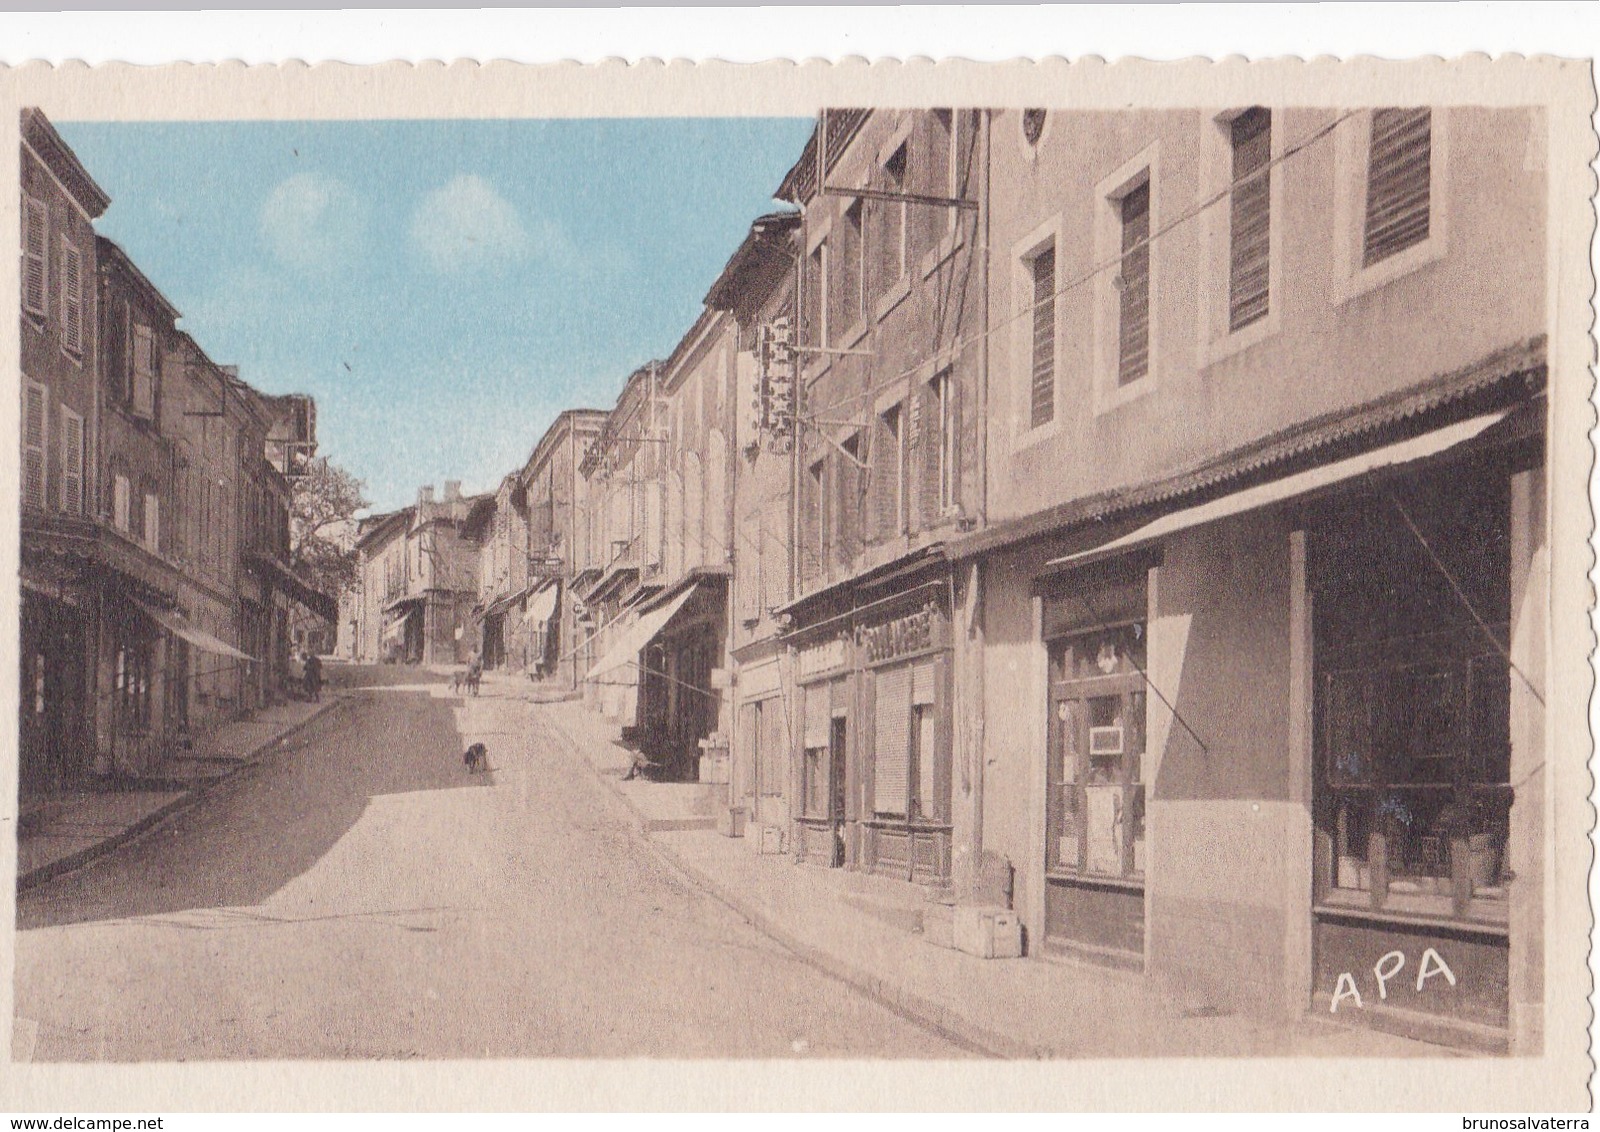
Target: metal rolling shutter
point(892, 741)
point(1399, 169)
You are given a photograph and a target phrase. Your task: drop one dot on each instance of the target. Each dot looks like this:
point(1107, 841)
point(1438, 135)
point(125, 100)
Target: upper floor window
point(71, 297)
point(1042, 392)
point(845, 272)
point(814, 311)
point(1399, 178)
point(888, 243)
point(152, 520)
point(1133, 322)
point(71, 462)
point(889, 462)
point(121, 503)
point(35, 257)
point(1250, 219)
point(144, 372)
point(35, 410)
point(939, 454)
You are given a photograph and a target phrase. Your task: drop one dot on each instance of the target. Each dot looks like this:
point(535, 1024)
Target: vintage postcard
point(932, 585)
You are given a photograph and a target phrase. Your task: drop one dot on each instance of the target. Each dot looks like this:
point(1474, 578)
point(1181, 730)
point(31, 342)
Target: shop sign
point(902, 636)
point(825, 656)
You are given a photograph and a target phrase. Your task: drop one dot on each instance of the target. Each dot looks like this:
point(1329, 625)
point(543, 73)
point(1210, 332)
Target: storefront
point(680, 708)
point(52, 742)
point(874, 692)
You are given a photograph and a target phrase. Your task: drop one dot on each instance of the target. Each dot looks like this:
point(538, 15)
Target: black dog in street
point(476, 758)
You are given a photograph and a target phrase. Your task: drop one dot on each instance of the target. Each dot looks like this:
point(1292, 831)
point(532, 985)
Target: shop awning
point(542, 606)
point(395, 628)
point(174, 623)
point(503, 602)
point(1302, 483)
point(627, 648)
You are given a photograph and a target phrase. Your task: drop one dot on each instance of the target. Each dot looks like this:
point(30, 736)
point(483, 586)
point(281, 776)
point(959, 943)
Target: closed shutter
point(889, 224)
point(891, 768)
point(773, 748)
point(71, 462)
point(930, 450)
point(71, 298)
point(936, 221)
point(152, 521)
point(35, 404)
point(1251, 219)
point(121, 503)
point(819, 715)
point(886, 475)
point(36, 257)
point(1133, 355)
point(1043, 399)
point(1399, 170)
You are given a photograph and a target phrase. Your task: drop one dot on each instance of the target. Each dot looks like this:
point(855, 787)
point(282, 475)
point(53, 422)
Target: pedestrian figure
point(474, 674)
point(313, 677)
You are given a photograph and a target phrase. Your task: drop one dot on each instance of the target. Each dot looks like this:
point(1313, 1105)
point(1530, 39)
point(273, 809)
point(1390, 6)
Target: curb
point(33, 878)
point(924, 1012)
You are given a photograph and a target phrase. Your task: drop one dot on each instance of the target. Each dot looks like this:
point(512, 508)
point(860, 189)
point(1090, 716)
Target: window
point(71, 462)
point(144, 372)
point(1133, 286)
point(847, 484)
point(845, 273)
point(817, 545)
point(939, 448)
point(1042, 399)
point(121, 503)
point(1097, 738)
point(71, 297)
point(889, 471)
point(35, 425)
point(888, 243)
point(1413, 691)
point(35, 257)
point(1399, 175)
point(1250, 219)
point(905, 773)
point(152, 521)
point(816, 311)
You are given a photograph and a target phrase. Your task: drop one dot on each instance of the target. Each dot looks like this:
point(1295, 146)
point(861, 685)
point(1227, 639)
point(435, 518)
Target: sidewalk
point(1015, 1008)
point(65, 832)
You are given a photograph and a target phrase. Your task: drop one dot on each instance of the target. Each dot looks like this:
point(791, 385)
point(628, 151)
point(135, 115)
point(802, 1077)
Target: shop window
point(1413, 700)
point(131, 686)
point(815, 786)
point(905, 770)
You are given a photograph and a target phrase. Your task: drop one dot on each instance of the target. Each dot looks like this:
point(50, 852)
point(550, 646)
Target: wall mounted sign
point(910, 633)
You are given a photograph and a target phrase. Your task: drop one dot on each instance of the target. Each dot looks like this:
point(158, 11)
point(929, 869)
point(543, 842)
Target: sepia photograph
point(1045, 566)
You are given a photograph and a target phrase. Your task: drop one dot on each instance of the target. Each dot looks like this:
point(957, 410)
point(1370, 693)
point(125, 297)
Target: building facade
point(1260, 562)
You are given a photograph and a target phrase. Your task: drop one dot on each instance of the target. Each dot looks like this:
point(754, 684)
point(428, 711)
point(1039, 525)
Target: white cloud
point(313, 222)
point(466, 224)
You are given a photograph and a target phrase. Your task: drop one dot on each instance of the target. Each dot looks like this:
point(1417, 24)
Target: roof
point(800, 183)
point(374, 525)
point(111, 252)
point(1516, 371)
point(58, 155)
point(760, 260)
point(566, 420)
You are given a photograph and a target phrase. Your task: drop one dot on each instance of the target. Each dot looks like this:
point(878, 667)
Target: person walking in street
point(313, 677)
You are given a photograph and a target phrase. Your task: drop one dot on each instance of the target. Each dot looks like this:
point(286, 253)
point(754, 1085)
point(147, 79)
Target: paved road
point(359, 895)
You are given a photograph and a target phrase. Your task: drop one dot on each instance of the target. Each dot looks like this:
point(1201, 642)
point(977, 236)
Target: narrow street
point(360, 895)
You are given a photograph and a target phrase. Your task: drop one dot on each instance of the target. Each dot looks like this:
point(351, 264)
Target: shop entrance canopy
point(628, 646)
point(542, 606)
point(1301, 483)
point(199, 638)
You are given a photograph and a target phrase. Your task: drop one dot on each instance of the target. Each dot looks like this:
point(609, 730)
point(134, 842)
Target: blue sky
point(442, 288)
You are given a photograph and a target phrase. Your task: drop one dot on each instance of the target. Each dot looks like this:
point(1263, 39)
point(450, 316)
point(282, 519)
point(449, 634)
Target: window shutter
point(35, 399)
point(885, 475)
point(929, 450)
point(1043, 401)
point(36, 257)
point(152, 521)
point(121, 503)
point(1133, 356)
point(818, 716)
point(1251, 219)
point(144, 365)
point(1399, 169)
point(891, 770)
point(936, 176)
point(71, 462)
point(71, 297)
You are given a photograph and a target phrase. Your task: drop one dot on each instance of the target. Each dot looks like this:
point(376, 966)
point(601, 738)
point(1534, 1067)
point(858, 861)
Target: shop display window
point(1413, 701)
point(1097, 741)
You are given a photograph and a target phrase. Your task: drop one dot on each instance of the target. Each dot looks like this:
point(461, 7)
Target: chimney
point(452, 490)
point(425, 495)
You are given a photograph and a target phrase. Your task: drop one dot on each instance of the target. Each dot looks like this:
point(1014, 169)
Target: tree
point(322, 526)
